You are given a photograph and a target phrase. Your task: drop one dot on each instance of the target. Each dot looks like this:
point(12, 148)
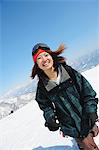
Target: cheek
point(39, 64)
point(51, 60)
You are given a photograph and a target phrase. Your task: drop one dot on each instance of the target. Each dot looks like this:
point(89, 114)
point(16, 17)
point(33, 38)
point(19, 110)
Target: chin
point(47, 68)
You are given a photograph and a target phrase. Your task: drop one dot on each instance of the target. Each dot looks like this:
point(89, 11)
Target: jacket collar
point(49, 85)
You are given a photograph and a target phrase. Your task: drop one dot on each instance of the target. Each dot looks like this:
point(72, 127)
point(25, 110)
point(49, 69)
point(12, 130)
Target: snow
point(24, 129)
point(92, 76)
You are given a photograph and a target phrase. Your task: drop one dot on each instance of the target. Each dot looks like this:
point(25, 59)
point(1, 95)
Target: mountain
point(24, 129)
point(27, 87)
point(87, 61)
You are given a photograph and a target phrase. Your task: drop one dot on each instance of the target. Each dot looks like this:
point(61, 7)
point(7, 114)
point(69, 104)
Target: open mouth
point(45, 63)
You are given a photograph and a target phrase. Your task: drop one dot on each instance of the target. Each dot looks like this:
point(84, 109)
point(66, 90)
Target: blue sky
point(25, 23)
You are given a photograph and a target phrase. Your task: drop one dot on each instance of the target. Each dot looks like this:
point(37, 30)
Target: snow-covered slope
point(11, 104)
point(24, 129)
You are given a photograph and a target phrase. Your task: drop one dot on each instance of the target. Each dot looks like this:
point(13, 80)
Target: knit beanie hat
point(39, 48)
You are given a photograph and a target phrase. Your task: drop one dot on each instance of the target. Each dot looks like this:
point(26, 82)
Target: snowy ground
point(24, 129)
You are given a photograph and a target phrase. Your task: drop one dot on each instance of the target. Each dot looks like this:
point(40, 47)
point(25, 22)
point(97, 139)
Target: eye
point(46, 54)
point(38, 58)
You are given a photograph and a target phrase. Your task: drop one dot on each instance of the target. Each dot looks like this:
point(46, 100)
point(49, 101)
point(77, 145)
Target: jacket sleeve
point(44, 103)
point(87, 94)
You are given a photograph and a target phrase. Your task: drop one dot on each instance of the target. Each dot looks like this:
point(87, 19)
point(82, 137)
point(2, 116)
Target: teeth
point(45, 63)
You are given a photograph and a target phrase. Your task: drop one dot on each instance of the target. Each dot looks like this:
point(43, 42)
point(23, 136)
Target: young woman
point(66, 98)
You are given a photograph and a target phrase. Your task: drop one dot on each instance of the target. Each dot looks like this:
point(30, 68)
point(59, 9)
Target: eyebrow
point(43, 53)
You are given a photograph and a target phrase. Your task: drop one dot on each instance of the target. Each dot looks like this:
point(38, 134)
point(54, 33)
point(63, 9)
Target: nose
point(44, 58)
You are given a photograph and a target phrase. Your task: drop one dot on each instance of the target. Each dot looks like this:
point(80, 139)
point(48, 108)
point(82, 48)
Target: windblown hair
point(56, 59)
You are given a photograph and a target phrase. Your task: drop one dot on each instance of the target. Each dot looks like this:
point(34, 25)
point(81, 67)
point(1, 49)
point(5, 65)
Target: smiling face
point(44, 61)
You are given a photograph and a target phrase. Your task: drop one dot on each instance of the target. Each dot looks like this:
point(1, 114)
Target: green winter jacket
point(72, 106)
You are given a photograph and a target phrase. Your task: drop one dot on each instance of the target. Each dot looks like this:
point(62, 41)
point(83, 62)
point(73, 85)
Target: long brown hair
point(56, 59)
